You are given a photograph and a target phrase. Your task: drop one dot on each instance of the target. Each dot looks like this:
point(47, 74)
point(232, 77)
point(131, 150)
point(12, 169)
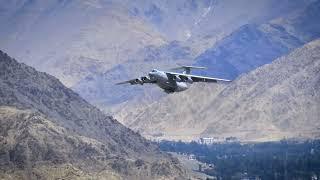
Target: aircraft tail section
point(187, 69)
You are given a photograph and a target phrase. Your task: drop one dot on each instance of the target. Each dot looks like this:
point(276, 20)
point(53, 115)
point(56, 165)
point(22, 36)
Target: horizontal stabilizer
point(187, 69)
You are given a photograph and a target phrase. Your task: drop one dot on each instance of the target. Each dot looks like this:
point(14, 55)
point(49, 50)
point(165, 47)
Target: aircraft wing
point(196, 78)
point(140, 81)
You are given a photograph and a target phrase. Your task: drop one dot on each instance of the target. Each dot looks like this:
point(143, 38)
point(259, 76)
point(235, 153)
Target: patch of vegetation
point(270, 160)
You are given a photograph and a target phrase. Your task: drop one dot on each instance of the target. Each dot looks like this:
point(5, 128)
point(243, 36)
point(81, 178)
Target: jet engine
point(176, 78)
point(181, 86)
point(187, 79)
point(146, 79)
point(138, 81)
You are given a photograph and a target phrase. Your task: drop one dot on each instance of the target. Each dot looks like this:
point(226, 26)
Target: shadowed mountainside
point(46, 125)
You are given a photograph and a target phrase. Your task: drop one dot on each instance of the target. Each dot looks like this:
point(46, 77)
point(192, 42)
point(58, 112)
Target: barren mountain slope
point(174, 116)
point(277, 100)
point(281, 99)
point(40, 115)
point(34, 147)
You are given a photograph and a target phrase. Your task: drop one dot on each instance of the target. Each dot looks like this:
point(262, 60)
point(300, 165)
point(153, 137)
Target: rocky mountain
point(277, 100)
point(47, 130)
point(281, 98)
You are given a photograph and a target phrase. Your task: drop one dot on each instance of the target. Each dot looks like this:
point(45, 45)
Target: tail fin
point(187, 69)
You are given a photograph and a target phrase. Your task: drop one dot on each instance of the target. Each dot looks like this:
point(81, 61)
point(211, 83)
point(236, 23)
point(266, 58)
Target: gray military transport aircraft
point(172, 81)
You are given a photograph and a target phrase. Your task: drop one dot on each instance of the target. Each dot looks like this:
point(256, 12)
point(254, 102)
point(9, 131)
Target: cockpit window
point(153, 70)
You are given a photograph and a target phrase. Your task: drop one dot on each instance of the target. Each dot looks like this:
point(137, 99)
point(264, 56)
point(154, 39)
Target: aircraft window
point(153, 70)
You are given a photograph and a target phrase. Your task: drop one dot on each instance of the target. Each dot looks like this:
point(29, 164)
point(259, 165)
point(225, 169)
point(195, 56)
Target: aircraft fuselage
point(173, 81)
point(164, 82)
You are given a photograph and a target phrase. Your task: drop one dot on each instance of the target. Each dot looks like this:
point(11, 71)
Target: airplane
point(172, 82)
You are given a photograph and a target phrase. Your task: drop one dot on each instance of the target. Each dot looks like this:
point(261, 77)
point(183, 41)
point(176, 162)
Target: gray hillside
point(277, 100)
point(64, 128)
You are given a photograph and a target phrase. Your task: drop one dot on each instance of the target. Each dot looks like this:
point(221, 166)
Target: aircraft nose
point(151, 75)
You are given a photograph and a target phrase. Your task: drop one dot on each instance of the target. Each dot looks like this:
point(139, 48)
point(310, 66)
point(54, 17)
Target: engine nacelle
point(181, 86)
point(189, 80)
point(177, 78)
point(138, 81)
point(145, 79)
